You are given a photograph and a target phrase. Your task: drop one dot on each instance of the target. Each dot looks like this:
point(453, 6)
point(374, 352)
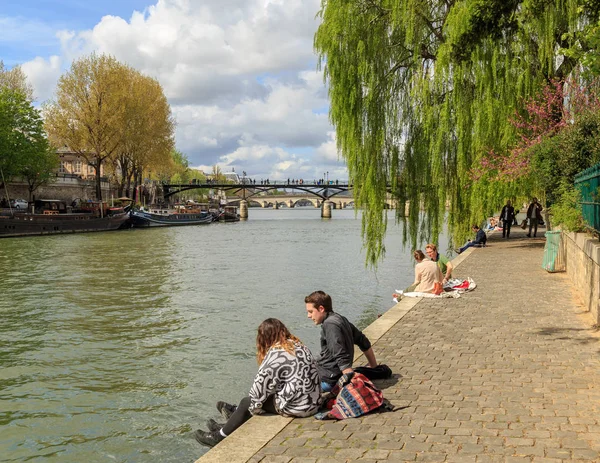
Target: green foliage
point(566, 212)
point(422, 90)
point(23, 141)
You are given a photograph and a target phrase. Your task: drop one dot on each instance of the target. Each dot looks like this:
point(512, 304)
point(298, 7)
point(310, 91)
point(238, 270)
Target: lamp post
point(327, 177)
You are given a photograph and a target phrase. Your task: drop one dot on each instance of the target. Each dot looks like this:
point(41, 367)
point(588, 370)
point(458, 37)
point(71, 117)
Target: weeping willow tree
point(422, 90)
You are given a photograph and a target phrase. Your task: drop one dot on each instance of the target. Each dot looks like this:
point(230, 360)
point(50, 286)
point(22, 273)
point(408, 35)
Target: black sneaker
point(212, 425)
point(225, 409)
point(210, 439)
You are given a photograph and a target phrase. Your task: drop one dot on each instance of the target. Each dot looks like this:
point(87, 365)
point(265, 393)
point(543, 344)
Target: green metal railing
point(588, 183)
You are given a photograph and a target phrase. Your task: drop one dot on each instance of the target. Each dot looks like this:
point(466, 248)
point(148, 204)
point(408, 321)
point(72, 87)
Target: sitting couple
point(290, 380)
point(430, 274)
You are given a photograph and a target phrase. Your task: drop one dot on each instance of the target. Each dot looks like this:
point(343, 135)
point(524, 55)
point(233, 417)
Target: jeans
point(326, 387)
point(468, 245)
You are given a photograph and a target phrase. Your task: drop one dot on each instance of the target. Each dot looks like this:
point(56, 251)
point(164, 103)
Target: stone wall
point(583, 268)
point(63, 190)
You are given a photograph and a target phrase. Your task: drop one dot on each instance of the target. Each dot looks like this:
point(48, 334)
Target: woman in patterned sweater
point(287, 383)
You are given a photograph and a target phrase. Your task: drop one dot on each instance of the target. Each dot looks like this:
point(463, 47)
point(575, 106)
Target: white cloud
point(239, 74)
point(43, 74)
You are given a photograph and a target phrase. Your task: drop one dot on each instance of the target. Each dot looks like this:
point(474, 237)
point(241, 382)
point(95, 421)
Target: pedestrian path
point(507, 373)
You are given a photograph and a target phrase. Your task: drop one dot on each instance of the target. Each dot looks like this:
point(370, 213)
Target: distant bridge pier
point(243, 209)
point(326, 210)
point(275, 205)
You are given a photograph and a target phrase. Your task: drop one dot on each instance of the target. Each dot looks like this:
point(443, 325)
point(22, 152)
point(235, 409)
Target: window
point(91, 169)
point(65, 167)
point(76, 167)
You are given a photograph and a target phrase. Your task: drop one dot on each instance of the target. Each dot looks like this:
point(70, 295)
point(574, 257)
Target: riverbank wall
point(583, 268)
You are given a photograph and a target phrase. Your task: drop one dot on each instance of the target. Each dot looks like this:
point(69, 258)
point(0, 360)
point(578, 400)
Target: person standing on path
point(443, 263)
point(534, 214)
point(508, 215)
point(338, 337)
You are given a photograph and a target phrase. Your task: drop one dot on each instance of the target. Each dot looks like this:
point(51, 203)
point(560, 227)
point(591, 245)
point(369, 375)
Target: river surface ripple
point(115, 346)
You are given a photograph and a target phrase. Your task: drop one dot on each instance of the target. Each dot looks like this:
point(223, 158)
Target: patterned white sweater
point(292, 379)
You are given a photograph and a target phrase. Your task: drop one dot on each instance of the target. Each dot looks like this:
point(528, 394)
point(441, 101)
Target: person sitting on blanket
point(480, 239)
point(338, 337)
point(427, 274)
point(287, 383)
point(443, 263)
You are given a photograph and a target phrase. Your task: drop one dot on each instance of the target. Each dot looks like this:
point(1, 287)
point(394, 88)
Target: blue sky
point(240, 74)
point(43, 18)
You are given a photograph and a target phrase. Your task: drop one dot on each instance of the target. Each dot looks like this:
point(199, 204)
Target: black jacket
point(338, 337)
point(511, 213)
point(480, 237)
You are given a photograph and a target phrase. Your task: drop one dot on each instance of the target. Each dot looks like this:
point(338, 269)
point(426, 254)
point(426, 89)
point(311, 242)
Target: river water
point(116, 346)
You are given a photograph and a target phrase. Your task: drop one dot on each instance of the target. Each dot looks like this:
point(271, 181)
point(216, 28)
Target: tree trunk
point(98, 179)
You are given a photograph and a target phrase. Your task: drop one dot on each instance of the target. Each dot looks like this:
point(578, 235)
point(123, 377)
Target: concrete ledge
point(259, 430)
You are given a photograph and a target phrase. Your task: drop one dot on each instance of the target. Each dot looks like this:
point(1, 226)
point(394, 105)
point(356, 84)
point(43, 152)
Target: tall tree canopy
point(88, 110)
point(15, 79)
point(148, 131)
point(111, 114)
point(422, 90)
point(24, 148)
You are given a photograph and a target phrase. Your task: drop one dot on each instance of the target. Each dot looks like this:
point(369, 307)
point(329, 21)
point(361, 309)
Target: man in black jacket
point(338, 337)
point(480, 239)
point(534, 215)
point(507, 215)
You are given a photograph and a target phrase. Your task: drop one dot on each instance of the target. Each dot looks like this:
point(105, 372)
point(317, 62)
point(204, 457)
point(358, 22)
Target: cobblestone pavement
point(508, 373)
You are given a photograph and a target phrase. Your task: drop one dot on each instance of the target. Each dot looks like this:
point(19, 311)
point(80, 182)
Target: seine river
point(116, 346)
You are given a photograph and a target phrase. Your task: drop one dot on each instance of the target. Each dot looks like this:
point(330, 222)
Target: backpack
point(358, 397)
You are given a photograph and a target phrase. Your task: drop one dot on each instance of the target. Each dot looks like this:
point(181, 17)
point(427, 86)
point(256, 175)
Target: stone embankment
point(507, 373)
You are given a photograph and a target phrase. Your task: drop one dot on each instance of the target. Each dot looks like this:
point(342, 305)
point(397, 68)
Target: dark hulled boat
point(54, 217)
point(169, 218)
point(227, 214)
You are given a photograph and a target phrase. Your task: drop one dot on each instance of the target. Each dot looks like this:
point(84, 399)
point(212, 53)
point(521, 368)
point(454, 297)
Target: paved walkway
point(508, 373)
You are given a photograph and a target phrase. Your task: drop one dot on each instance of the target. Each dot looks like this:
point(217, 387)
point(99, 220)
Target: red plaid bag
point(358, 397)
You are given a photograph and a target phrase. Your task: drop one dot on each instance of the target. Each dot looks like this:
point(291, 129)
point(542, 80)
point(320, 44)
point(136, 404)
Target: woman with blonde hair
point(287, 383)
point(427, 274)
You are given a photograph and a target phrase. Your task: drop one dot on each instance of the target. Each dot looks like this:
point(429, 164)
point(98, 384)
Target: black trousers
point(241, 414)
point(533, 223)
point(506, 224)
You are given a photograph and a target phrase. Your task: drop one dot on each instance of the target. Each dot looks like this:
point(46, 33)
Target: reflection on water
point(115, 346)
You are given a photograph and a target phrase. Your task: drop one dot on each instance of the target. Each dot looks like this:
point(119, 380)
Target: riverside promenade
point(507, 373)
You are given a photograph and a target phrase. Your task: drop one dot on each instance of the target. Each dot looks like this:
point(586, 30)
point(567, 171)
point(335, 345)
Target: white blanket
point(450, 290)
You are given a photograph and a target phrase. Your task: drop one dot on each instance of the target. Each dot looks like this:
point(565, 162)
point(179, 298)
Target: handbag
point(524, 224)
point(437, 289)
point(357, 397)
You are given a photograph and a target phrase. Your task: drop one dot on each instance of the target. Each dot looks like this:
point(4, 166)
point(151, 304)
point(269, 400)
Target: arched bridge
point(277, 201)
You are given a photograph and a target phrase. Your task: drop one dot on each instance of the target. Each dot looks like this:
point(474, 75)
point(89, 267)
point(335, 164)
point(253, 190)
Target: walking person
point(534, 215)
point(287, 383)
point(508, 215)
